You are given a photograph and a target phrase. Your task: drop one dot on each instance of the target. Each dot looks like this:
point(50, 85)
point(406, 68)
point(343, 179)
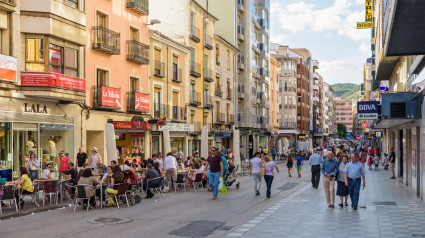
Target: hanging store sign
point(369, 10)
point(358, 138)
point(383, 89)
point(130, 125)
point(367, 110)
point(176, 127)
point(111, 97)
point(8, 68)
point(52, 80)
point(141, 102)
point(364, 25)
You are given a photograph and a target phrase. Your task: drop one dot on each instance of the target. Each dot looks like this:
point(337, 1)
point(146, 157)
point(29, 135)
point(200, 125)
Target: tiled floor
point(305, 214)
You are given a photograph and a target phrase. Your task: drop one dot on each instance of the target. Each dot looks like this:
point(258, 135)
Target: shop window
point(101, 77)
point(34, 60)
point(6, 145)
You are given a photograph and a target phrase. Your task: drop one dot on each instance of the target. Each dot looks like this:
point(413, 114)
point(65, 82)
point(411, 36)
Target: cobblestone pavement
point(304, 213)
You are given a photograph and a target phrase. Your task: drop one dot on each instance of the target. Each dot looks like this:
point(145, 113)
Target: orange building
point(344, 113)
point(117, 75)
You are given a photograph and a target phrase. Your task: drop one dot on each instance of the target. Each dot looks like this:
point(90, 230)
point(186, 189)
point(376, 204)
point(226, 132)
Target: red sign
point(142, 102)
point(358, 138)
point(111, 97)
point(8, 68)
point(52, 80)
point(364, 125)
point(128, 125)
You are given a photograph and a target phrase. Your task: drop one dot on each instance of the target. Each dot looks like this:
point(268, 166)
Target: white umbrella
point(111, 146)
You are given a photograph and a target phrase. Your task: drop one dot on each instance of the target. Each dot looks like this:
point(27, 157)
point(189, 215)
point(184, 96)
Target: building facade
point(328, 113)
point(344, 113)
point(275, 117)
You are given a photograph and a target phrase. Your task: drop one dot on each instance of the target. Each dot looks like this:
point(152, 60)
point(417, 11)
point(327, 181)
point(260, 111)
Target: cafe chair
point(70, 190)
point(50, 188)
point(81, 196)
point(198, 181)
point(9, 196)
point(181, 179)
point(158, 187)
point(122, 192)
point(32, 195)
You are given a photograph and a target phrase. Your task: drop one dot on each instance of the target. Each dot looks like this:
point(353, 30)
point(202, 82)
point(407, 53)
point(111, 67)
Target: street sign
point(364, 125)
point(358, 138)
point(383, 89)
point(367, 110)
point(364, 25)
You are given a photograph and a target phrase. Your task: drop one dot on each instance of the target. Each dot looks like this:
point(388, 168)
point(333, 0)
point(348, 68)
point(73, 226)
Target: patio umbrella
point(111, 146)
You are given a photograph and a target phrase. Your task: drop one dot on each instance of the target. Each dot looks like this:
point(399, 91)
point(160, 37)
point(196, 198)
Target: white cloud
point(364, 47)
point(333, 66)
point(339, 17)
point(279, 38)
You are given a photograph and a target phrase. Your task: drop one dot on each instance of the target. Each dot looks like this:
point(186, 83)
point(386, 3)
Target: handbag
point(263, 171)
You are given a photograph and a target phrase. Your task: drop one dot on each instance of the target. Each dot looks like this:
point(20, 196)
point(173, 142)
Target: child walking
point(299, 165)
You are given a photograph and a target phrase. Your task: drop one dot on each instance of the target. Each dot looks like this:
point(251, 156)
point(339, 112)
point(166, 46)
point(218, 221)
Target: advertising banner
point(142, 102)
point(111, 97)
point(367, 110)
point(40, 79)
point(369, 10)
point(8, 68)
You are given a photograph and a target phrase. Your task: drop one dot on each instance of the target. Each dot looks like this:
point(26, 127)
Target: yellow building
point(168, 74)
point(273, 97)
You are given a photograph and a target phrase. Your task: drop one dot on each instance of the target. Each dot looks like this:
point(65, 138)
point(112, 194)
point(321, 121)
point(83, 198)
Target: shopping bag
point(223, 189)
point(221, 183)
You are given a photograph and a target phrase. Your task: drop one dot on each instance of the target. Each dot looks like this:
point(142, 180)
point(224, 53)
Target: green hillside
point(347, 91)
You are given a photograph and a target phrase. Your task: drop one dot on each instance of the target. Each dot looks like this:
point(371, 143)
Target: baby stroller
point(132, 191)
point(230, 180)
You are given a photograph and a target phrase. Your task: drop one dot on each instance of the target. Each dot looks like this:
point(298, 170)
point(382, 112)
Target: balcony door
point(157, 102)
point(175, 105)
point(175, 68)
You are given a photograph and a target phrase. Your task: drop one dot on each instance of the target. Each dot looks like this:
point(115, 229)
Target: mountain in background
point(347, 91)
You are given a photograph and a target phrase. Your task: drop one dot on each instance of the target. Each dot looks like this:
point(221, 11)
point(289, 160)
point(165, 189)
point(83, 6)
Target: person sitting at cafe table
point(192, 176)
point(152, 161)
point(46, 173)
point(156, 167)
point(26, 184)
point(188, 162)
point(126, 166)
point(106, 179)
point(113, 163)
point(135, 165)
point(72, 174)
point(117, 178)
point(90, 182)
point(151, 173)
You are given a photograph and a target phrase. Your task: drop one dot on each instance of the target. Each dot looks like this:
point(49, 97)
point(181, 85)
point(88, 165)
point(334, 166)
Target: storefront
point(224, 139)
point(178, 138)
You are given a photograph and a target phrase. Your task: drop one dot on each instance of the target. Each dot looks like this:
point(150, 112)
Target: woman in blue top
point(225, 169)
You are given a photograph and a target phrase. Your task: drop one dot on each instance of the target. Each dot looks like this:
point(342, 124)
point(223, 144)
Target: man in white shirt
point(46, 172)
point(170, 166)
point(179, 154)
point(126, 166)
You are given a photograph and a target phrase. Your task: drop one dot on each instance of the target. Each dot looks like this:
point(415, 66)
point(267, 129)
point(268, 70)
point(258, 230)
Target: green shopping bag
point(223, 189)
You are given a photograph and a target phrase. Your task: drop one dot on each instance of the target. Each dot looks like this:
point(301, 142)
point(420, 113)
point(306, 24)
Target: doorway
point(25, 141)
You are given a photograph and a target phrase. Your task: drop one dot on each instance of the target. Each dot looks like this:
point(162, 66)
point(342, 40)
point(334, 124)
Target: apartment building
point(287, 97)
point(316, 94)
point(328, 112)
point(224, 92)
point(42, 80)
point(190, 24)
point(168, 73)
point(245, 23)
point(344, 113)
point(275, 68)
point(117, 77)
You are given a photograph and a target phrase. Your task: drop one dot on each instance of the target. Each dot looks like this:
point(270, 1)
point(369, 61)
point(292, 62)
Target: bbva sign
point(367, 107)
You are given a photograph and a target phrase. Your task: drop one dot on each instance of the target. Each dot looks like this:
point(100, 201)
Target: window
point(228, 112)
point(175, 104)
point(102, 19)
point(192, 116)
point(192, 59)
point(63, 60)
point(101, 77)
point(71, 3)
point(71, 62)
point(134, 84)
point(175, 68)
point(134, 34)
point(34, 60)
point(157, 102)
point(228, 59)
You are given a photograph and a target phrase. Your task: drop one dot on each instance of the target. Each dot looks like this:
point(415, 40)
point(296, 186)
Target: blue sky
point(328, 29)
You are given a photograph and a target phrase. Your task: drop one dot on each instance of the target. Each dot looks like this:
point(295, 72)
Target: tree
point(342, 130)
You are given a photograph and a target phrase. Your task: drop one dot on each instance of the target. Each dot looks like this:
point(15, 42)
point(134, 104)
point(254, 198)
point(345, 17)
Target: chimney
point(282, 50)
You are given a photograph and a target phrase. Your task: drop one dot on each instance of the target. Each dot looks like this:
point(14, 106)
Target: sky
point(328, 29)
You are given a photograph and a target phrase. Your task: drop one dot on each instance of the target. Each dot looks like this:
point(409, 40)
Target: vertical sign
point(368, 11)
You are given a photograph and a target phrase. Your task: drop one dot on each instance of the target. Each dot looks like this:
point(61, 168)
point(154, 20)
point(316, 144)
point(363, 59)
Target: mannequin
point(30, 144)
point(51, 146)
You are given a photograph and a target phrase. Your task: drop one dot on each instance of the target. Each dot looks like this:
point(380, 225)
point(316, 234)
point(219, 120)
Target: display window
point(176, 142)
point(6, 145)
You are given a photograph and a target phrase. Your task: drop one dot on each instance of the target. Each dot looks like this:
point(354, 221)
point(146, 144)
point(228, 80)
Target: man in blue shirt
point(354, 173)
point(329, 173)
point(315, 162)
point(223, 150)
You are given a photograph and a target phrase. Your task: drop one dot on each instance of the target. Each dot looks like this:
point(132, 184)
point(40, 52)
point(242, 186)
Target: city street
point(295, 210)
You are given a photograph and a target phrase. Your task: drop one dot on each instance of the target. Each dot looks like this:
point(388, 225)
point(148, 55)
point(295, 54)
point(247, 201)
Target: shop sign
point(364, 25)
point(368, 11)
point(177, 127)
point(358, 138)
point(367, 110)
point(8, 68)
point(111, 97)
point(52, 80)
point(35, 108)
point(138, 122)
point(129, 125)
point(223, 134)
point(142, 102)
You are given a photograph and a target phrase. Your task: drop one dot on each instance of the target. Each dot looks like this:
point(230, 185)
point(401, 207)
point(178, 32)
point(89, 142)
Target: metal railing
point(105, 40)
point(220, 118)
point(132, 103)
point(139, 6)
point(231, 118)
point(208, 102)
point(208, 42)
point(219, 90)
point(195, 69)
point(158, 69)
point(195, 98)
point(138, 52)
point(178, 113)
point(194, 33)
point(177, 74)
point(229, 93)
point(158, 110)
point(9, 2)
point(241, 61)
point(208, 75)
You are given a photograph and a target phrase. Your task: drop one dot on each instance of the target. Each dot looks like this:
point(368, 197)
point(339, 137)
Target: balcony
point(195, 69)
point(139, 6)
point(208, 75)
point(231, 119)
point(288, 124)
point(263, 99)
point(315, 87)
point(208, 42)
point(241, 6)
point(195, 99)
point(208, 102)
point(264, 122)
point(241, 61)
point(256, 73)
point(177, 74)
point(255, 47)
point(219, 90)
point(316, 75)
point(241, 33)
point(264, 26)
point(241, 117)
point(9, 2)
point(52, 86)
point(107, 98)
point(158, 110)
point(194, 34)
point(105, 40)
point(220, 118)
point(138, 52)
point(263, 50)
point(159, 69)
point(241, 91)
point(178, 114)
point(138, 102)
point(217, 60)
point(264, 72)
point(229, 94)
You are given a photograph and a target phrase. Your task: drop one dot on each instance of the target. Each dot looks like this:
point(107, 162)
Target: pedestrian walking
point(215, 164)
point(223, 150)
point(354, 173)
point(82, 158)
point(300, 164)
point(376, 161)
point(392, 162)
point(329, 170)
point(289, 164)
point(369, 161)
point(269, 174)
point(342, 190)
point(315, 161)
point(255, 172)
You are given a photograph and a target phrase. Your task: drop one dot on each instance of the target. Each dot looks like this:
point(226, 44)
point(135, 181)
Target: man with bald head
point(354, 173)
point(329, 170)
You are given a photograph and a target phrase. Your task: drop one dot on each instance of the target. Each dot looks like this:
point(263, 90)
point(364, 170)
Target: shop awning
point(287, 132)
point(223, 134)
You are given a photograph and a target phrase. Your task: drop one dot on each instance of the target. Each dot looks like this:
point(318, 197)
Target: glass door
point(25, 141)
